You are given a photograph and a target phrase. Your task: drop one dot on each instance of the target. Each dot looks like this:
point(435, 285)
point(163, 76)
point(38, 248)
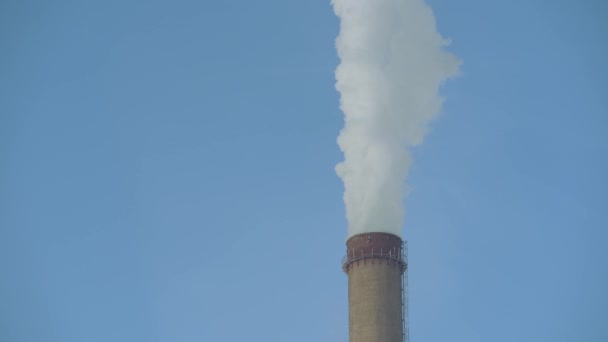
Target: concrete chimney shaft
point(375, 264)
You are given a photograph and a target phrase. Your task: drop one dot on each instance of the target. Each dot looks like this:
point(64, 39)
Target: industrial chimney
point(376, 265)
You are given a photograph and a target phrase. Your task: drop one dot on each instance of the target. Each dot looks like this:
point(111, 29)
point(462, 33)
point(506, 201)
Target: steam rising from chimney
point(392, 65)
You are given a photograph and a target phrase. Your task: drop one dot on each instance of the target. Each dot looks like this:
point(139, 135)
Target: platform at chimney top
point(375, 247)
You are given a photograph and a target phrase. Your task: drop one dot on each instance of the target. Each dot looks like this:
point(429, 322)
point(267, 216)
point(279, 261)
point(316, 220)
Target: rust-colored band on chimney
point(374, 264)
point(381, 246)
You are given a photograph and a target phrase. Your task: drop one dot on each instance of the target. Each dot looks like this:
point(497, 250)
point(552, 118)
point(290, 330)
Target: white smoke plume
point(393, 63)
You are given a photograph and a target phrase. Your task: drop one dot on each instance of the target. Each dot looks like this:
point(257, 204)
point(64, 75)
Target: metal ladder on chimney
point(404, 297)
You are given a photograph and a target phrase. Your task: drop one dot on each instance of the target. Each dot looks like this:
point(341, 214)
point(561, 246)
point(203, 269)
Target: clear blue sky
point(166, 174)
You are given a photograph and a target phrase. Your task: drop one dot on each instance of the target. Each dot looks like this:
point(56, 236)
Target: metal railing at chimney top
point(400, 257)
